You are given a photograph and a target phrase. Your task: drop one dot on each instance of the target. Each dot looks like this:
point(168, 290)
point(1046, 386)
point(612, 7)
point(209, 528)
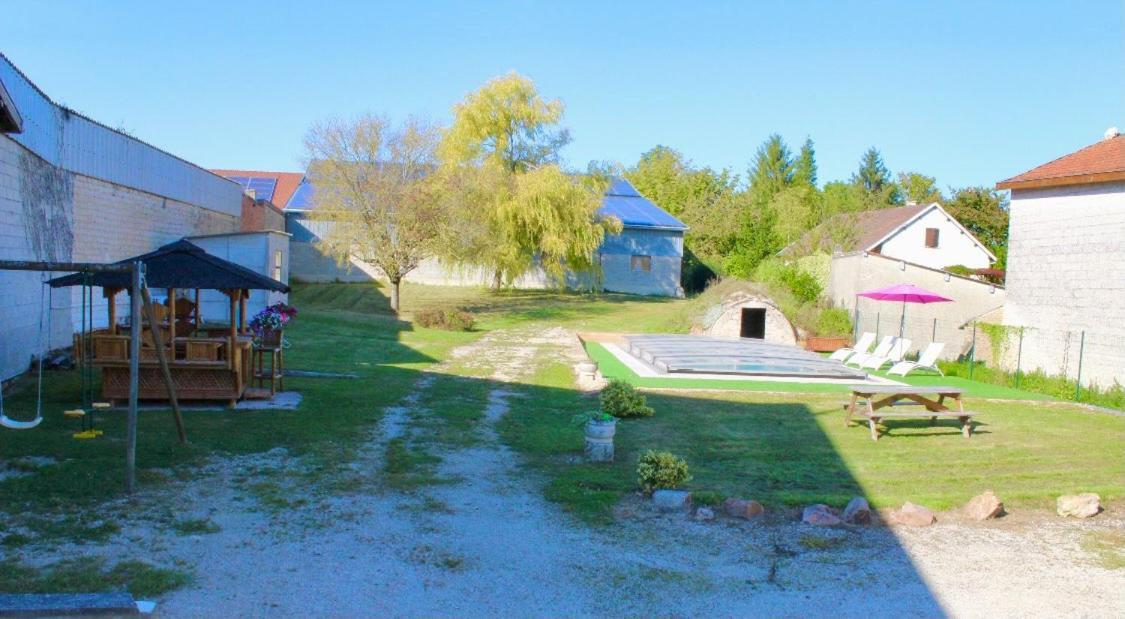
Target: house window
point(277, 265)
point(641, 263)
point(932, 237)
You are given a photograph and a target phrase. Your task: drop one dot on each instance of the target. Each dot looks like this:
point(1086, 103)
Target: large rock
point(671, 500)
point(1082, 505)
point(984, 506)
point(912, 515)
point(739, 508)
point(820, 515)
point(857, 511)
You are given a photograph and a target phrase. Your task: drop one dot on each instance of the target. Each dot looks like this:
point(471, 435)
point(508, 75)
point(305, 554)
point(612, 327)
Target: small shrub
point(622, 400)
point(708, 498)
point(833, 321)
point(658, 470)
point(447, 319)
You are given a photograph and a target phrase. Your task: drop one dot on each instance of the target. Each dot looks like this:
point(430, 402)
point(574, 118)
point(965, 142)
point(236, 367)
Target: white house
point(921, 234)
point(1066, 263)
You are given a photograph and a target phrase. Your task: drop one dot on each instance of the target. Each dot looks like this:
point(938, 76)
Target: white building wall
point(954, 245)
point(255, 251)
point(74, 190)
point(1066, 275)
point(854, 273)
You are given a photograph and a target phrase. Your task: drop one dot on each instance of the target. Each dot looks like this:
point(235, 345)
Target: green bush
point(708, 498)
point(658, 470)
point(622, 400)
point(448, 319)
point(833, 321)
point(804, 286)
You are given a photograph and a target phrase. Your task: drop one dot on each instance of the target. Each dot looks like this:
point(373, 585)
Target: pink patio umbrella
point(906, 293)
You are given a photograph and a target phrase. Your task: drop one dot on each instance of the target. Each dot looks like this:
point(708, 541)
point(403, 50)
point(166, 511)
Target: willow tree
point(375, 192)
point(515, 206)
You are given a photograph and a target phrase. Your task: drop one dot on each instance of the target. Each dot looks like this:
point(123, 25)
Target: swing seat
point(86, 434)
point(13, 424)
point(102, 405)
point(74, 413)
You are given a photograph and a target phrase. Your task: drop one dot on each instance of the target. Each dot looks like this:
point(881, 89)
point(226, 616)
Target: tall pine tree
point(804, 168)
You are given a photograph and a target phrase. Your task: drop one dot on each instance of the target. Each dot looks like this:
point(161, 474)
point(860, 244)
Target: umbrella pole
point(902, 321)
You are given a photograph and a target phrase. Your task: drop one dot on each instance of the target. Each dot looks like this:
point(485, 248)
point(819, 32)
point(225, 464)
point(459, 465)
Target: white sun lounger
point(897, 352)
point(881, 350)
point(863, 344)
point(928, 361)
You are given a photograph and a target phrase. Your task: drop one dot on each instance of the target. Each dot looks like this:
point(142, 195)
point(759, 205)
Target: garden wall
point(943, 322)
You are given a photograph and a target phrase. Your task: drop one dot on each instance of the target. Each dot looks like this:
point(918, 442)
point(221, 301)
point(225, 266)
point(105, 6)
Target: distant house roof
point(624, 202)
point(279, 192)
point(872, 229)
point(10, 121)
point(1097, 163)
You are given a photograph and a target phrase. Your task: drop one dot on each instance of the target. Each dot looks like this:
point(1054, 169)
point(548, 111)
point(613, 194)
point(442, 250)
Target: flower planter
point(270, 338)
point(599, 440)
point(825, 344)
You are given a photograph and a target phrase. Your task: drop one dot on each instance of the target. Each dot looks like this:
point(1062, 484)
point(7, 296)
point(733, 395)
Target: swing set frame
point(140, 305)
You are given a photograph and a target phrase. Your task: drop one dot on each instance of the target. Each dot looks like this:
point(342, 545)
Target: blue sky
point(969, 92)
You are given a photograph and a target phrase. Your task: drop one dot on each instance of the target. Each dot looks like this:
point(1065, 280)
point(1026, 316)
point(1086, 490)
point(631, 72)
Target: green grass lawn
point(783, 449)
point(790, 450)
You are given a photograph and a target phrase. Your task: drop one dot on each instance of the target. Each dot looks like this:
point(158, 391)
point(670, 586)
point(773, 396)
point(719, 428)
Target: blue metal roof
point(624, 202)
point(302, 198)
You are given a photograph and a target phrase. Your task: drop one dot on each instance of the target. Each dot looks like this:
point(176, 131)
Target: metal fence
point(1084, 358)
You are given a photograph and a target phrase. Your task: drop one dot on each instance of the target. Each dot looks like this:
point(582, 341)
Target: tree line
point(735, 224)
point(490, 192)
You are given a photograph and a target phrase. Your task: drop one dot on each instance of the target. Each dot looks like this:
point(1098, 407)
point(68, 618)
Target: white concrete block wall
point(1066, 275)
point(92, 221)
point(955, 246)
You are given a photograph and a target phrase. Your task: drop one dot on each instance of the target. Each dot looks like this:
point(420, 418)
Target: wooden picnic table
point(890, 396)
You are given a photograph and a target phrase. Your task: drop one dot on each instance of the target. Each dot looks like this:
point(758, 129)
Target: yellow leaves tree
point(515, 207)
point(376, 193)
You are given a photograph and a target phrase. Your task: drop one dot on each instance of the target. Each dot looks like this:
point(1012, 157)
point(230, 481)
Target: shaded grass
point(90, 575)
point(195, 526)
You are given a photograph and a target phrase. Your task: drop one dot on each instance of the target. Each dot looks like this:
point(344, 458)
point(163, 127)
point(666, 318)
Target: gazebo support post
point(198, 311)
point(242, 296)
point(157, 340)
point(172, 320)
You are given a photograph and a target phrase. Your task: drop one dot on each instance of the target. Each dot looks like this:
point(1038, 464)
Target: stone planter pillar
point(587, 370)
point(599, 440)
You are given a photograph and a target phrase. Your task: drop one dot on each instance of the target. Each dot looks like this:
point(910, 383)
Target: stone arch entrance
point(751, 316)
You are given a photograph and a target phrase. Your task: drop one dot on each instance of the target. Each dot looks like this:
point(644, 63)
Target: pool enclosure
point(700, 354)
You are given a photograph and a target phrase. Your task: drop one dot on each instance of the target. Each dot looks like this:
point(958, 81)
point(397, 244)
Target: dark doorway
point(753, 322)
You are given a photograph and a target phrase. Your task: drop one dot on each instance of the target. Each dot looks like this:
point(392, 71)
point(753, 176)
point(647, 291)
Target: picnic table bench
point(890, 396)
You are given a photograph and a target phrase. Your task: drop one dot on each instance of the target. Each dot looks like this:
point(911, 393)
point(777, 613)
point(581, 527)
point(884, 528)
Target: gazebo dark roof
point(179, 265)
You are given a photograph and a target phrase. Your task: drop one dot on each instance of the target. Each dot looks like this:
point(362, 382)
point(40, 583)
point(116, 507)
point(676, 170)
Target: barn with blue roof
point(645, 258)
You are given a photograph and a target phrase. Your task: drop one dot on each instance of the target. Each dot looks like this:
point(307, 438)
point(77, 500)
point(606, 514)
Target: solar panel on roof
point(302, 198)
point(263, 186)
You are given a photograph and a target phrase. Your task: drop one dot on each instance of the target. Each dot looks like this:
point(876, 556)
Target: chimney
point(1111, 133)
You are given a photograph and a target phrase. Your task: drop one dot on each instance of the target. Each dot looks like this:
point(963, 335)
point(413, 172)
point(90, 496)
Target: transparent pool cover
point(715, 355)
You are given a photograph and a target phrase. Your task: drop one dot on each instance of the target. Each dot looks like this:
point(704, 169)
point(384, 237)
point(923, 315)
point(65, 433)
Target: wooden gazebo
point(205, 363)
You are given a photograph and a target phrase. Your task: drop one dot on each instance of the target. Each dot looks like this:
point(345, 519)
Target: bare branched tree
point(373, 188)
